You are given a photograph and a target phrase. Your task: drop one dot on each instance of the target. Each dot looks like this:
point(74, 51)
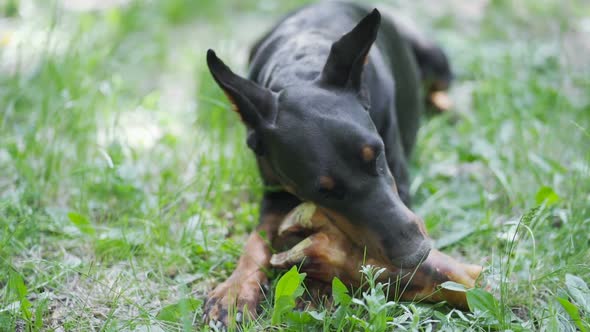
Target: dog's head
point(320, 143)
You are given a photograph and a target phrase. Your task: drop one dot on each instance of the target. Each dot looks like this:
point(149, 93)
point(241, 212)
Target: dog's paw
point(232, 302)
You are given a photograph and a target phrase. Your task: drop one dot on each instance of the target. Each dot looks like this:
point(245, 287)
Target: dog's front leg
point(241, 293)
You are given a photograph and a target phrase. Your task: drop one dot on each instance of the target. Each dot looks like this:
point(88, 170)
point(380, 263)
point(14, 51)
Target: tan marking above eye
point(327, 182)
point(368, 153)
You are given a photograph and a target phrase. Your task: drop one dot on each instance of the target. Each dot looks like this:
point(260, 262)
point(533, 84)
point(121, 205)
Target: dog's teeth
point(294, 255)
point(299, 218)
point(239, 317)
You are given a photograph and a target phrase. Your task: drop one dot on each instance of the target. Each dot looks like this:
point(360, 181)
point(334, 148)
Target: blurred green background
point(127, 190)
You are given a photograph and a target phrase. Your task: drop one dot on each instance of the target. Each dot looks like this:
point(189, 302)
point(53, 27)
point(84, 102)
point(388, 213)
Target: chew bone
point(328, 253)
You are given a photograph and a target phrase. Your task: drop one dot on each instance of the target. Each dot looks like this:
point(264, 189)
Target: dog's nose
point(408, 242)
point(414, 256)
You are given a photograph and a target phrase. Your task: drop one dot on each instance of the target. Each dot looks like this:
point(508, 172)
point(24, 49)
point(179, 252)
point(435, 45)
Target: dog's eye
point(373, 159)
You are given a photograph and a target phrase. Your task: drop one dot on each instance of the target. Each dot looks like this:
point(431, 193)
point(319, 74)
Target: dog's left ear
point(348, 55)
point(256, 105)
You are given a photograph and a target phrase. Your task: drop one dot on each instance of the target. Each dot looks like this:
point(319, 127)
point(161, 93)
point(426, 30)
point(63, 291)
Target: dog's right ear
point(348, 55)
point(255, 105)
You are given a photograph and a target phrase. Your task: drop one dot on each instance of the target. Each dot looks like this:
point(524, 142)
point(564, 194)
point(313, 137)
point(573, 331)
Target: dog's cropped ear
point(347, 58)
point(255, 104)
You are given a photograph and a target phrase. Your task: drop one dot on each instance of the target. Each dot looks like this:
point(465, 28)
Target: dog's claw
point(217, 326)
point(214, 313)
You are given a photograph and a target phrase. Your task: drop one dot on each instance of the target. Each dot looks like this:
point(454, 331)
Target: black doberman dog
point(332, 116)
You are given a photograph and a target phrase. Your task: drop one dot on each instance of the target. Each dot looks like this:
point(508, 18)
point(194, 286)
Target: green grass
point(126, 190)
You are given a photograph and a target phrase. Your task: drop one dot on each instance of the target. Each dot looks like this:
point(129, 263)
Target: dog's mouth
point(326, 252)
